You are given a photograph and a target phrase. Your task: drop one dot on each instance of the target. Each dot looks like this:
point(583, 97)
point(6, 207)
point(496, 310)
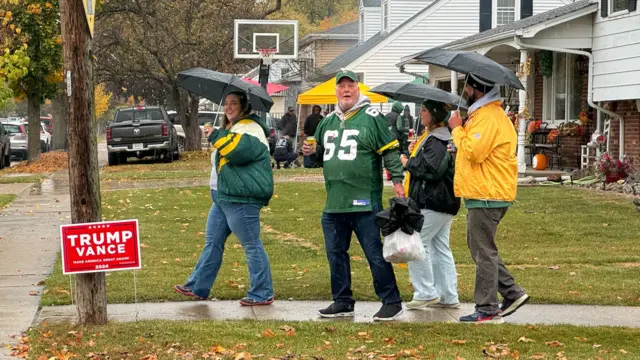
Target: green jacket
point(244, 166)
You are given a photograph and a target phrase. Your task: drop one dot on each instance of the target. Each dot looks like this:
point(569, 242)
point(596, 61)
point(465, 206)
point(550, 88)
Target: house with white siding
point(369, 19)
point(580, 65)
point(409, 26)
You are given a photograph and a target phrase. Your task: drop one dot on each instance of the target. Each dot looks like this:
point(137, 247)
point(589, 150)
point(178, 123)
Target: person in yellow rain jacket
point(486, 178)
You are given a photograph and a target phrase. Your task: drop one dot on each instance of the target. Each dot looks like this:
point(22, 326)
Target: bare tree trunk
point(33, 142)
point(192, 130)
point(189, 123)
point(84, 185)
point(60, 106)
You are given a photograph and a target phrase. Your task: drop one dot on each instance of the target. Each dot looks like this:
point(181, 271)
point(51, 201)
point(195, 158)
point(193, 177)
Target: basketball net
point(266, 55)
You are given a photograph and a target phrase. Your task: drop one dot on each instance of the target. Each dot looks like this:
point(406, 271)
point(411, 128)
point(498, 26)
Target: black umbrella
point(404, 214)
point(417, 93)
point(214, 85)
point(470, 62)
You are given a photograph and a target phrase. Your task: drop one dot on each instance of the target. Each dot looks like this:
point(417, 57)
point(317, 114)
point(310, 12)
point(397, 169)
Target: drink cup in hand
point(311, 141)
point(306, 149)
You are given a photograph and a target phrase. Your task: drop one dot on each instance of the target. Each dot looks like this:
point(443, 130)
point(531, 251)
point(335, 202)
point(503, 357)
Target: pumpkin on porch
point(539, 162)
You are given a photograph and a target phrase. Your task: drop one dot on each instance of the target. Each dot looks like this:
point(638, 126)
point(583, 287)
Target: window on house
point(506, 12)
point(562, 100)
point(385, 15)
point(618, 5)
point(362, 35)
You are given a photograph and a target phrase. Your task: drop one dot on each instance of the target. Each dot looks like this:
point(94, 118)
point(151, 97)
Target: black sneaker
point(388, 312)
point(482, 318)
point(337, 310)
point(509, 306)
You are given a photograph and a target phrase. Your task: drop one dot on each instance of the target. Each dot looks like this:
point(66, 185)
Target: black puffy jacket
point(432, 171)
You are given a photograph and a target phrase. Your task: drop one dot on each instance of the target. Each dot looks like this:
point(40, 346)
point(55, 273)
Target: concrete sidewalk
point(582, 315)
point(29, 242)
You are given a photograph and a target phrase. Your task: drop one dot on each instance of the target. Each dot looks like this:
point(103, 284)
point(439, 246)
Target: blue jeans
point(244, 221)
point(337, 228)
point(435, 276)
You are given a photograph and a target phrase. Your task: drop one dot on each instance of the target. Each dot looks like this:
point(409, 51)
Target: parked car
point(18, 138)
point(5, 148)
point(140, 132)
point(45, 139)
point(48, 123)
point(214, 117)
point(203, 118)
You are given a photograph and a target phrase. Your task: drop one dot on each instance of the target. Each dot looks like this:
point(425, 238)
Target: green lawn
point(21, 179)
point(193, 165)
point(150, 340)
point(5, 200)
point(563, 246)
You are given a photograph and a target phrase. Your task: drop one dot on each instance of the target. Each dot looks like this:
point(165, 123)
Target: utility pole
point(84, 185)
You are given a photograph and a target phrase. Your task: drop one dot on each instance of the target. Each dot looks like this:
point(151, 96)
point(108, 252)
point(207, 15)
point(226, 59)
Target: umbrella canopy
point(470, 62)
point(214, 85)
point(417, 93)
point(325, 93)
point(272, 88)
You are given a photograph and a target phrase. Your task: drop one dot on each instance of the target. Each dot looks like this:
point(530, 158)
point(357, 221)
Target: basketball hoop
point(266, 55)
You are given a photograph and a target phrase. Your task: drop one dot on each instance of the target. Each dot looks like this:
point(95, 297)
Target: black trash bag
point(403, 214)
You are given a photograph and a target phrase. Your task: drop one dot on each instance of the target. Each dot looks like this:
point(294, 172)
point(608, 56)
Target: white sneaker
point(445, 306)
point(421, 304)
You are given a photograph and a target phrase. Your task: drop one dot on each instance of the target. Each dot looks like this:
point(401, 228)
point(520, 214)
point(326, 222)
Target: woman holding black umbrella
point(244, 186)
point(430, 184)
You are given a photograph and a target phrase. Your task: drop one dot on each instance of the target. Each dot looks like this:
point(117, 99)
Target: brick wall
point(628, 110)
point(569, 146)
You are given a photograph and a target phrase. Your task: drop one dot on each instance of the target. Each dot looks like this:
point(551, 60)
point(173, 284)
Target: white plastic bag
point(400, 247)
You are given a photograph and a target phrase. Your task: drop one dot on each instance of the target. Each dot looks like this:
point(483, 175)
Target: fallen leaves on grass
point(554, 343)
point(525, 340)
point(497, 351)
point(554, 267)
point(49, 162)
point(22, 349)
point(538, 356)
point(235, 284)
point(267, 333)
point(288, 330)
point(458, 342)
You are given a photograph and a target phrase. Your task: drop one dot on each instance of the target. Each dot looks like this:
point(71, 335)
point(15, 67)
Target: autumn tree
point(36, 23)
point(102, 99)
point(143, 44)
point(318, 15)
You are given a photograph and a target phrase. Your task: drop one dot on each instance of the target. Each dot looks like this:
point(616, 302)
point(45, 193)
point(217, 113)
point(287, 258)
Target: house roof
point(355, 52)
point(348, 31)
point(371, 3)
point(524, 23)
point(348, 28)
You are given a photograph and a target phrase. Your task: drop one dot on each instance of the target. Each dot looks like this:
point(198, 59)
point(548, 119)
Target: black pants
point(286, 158)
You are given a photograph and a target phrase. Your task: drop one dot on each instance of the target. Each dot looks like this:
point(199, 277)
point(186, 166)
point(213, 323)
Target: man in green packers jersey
point(351, 143)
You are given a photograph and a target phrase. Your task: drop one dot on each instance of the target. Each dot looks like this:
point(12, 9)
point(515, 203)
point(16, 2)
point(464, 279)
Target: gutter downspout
point(519, 42)
point(403, 71)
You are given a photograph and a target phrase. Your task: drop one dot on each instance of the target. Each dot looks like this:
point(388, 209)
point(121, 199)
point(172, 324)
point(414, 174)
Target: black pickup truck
point(140, 132)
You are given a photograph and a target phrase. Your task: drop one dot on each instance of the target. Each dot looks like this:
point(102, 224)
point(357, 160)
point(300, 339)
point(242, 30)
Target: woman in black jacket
point(429, 183)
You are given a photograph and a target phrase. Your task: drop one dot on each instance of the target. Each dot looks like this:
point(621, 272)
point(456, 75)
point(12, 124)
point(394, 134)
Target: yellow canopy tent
point(325, 93)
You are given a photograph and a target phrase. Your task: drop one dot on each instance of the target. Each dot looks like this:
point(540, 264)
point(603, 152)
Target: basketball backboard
point(253, 35)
